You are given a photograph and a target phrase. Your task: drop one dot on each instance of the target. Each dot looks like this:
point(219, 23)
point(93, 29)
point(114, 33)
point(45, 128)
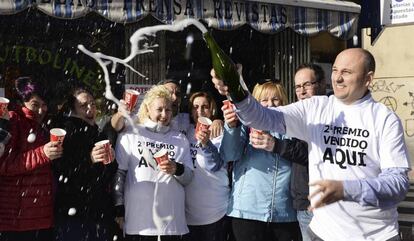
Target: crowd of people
point(170, 176)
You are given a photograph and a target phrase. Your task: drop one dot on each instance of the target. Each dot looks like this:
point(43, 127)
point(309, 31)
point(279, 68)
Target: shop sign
point(397, 12)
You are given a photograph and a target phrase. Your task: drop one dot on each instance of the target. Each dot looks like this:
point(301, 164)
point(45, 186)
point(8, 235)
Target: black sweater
point(81, 184)
point(296, 151)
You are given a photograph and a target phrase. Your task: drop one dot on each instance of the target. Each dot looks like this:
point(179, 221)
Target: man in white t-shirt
point(358, 160)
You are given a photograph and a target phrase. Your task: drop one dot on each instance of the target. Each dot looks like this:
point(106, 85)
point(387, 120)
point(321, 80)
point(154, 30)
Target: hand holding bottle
point(219, 84)
point(225, 71)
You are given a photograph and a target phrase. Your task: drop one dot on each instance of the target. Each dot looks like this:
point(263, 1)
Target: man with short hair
point(358, 160)
point(309, 81)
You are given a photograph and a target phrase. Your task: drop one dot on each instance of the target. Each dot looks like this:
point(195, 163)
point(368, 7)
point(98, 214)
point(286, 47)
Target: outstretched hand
point(117, 120)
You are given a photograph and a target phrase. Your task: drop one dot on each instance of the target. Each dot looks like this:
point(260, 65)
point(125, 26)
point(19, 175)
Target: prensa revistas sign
point(305, 17)
point(397, 12)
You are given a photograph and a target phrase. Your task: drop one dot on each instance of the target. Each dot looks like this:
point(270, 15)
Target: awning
point(306, 17)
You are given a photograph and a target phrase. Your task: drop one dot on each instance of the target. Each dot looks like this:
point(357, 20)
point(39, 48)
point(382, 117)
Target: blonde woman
point(260, 203)
point(152, 195)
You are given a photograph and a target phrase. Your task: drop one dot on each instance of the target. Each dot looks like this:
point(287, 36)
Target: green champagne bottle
point(225, 69)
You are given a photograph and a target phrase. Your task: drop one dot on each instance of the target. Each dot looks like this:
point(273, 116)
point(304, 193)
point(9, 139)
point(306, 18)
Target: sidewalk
point(406, 215)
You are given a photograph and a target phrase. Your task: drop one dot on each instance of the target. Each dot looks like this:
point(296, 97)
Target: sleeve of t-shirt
point(385, 191)
point(393, 151)
point(289, 119)
point(295, 118)
point(252, 114)
point(123, 151)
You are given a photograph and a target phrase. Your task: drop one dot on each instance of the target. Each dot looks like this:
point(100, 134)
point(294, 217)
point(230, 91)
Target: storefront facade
point(270, 38)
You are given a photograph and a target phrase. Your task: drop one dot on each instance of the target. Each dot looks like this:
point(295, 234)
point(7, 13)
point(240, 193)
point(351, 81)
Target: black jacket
point(296, 151)
point(81, 184)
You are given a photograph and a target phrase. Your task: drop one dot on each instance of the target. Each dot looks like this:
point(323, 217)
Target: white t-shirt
point(208, 193)
point(181, 123)
point(348, 142)
point(144, 184)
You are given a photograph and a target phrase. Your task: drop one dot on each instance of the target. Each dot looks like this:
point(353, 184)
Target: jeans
point(304, 219)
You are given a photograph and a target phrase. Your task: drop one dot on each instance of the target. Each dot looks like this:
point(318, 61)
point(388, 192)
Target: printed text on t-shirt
point(345, 145)
point(154, 148)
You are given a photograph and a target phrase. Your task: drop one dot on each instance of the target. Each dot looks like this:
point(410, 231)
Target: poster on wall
point(398, 95)
point(397, 12)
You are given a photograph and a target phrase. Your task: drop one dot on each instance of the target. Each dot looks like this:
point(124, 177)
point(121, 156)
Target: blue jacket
point(261, 179)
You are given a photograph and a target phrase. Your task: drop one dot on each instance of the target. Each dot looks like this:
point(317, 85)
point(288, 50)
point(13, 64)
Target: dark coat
point(82, 184)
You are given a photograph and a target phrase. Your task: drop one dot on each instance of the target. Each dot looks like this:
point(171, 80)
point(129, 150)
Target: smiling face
point(350, 76)
point(37, 106)
point(200, 107)
point(160, 111)
point(270, 100)
point(270, 94)
point(85, 107)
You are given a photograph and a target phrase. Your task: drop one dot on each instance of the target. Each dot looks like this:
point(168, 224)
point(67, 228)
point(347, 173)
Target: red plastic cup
point(108, 153)
point(161, 155)
point(252, 130)
point(57, 134)
point(131, 98)
point(203, 123)
point(4, 102)
point(228, 104)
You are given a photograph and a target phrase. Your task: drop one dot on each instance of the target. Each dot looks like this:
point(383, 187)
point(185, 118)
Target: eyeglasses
point(307, 85)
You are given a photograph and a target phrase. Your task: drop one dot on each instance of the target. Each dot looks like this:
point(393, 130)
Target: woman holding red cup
point(84, 208)
point(26, 178)
point(154, 167)
point(207, 194)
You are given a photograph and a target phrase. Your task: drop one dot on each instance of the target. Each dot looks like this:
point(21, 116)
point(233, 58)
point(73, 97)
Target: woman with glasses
point(260, 203)
point(84, 208)
point(26, 178)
